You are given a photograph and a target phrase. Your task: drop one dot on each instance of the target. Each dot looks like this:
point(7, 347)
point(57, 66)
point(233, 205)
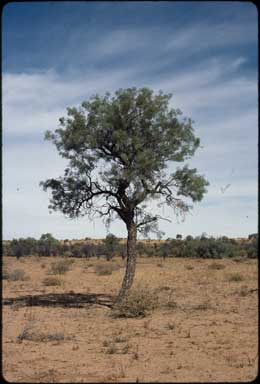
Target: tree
point(17, 248)
point(119, 148)
point(111, 243)
point(48, 245)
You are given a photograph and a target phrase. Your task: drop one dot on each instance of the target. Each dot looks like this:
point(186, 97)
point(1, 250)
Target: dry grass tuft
point(203, 306)
point(216, 266)
point(168, 301)
point(189, 267)
point(235, 277)
point(60, 267)
point(170, 325)
point(15, 275)
point(106, 269)
point(30, 334)
point(52, 281)
point(139, 302)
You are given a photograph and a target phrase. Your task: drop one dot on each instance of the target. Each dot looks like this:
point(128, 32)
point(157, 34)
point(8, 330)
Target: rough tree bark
point(130, 263)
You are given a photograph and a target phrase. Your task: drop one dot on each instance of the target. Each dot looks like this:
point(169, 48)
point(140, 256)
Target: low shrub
point(60, 267)
point(16, 275)
point(139, 302)
point(32, 335)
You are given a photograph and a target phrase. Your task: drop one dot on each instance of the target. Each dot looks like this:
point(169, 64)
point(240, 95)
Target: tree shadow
point(68, 300)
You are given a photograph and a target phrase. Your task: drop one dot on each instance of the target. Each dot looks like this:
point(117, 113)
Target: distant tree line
point(198, 247)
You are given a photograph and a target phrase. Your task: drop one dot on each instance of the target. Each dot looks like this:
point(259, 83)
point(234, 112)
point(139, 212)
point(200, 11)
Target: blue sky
point(57, 54)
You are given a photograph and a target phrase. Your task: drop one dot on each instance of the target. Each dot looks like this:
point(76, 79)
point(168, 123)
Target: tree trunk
point(130, 263)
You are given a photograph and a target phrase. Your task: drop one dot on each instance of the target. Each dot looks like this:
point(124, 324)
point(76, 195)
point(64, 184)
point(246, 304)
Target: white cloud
point(34, 102)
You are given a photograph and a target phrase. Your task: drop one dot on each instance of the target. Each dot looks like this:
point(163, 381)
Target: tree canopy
point(119, 148)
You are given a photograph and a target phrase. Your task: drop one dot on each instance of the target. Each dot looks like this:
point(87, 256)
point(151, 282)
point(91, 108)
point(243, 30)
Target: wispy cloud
point(202, 36)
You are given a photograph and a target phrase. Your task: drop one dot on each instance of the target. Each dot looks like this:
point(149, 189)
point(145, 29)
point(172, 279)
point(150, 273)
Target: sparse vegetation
point(243, 291)
point(164, 288)
point(168, 301)
point(114, 345)
point(203, 306)
point(217, 266)
point(120, 339)
point(5, 274)
point(29, 333)
point(181, 323)
point(171, 325)
point(235, 277)
point(52, 281)
point(106, 269)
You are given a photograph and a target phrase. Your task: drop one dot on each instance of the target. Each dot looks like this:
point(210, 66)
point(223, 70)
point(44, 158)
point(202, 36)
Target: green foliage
point(21, 247)
point(47, 245)
point(190, 247)
point(119, 148)
point(111, 243)
point(251, 248)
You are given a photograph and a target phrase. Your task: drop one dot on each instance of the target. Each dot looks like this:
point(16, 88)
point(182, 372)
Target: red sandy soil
point(210, 335)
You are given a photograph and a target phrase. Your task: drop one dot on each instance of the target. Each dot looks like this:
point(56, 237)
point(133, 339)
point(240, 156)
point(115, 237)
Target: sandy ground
point(211, 335)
